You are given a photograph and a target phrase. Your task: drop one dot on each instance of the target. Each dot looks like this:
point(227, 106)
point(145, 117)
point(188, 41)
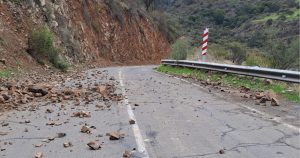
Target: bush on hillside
point(219, 51)
point(238, 52)
point(180, 49)
point(285, 55)
point(41, 45)
point(41, 42)
point(257, 59)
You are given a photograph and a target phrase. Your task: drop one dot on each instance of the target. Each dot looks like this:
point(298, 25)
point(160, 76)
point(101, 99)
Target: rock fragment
point(85, 129)
point(67, 144)
point(127, 154)
point(3, 61)
point(38, 145)
point(274, 102)
point(263, 100)
point(131, 121)
point(49, 111)
point(27, 121)
point(3, 133)
point(38, 155)
point(82, 114)
point(268, 81)
point(116, 135)
point(61, 135)
point(259, 95)
point(94, 145)
point(221, 151)
point(35, 89)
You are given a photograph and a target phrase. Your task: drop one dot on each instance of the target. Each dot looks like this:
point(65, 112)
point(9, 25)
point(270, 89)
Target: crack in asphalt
point(21, 123)
point(231, 129)
point(283, 139)
point(240, 145)
point(279, 142)
point(28, 138)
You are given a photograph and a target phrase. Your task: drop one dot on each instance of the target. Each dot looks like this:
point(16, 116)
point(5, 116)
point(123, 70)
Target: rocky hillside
point(97, 31)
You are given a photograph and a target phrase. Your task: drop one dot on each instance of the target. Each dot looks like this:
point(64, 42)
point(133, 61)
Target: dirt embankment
point(89, 32)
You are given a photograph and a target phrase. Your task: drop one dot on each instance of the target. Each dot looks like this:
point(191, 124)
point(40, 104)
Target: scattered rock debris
point(12, 95)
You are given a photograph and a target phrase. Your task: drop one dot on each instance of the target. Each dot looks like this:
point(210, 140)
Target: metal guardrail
point(276, 74)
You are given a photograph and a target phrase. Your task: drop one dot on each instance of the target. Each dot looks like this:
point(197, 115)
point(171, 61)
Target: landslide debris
point(52, 103)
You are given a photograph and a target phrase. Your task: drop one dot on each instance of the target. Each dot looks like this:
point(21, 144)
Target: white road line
point(136, 130)
point(276, 119)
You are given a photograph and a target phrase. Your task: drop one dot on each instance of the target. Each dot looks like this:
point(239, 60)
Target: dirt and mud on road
point(138, 112)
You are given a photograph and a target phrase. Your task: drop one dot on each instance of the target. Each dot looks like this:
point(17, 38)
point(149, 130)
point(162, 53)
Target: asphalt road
point(174, 119)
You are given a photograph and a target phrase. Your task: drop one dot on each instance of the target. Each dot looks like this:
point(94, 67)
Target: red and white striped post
point(205, 44)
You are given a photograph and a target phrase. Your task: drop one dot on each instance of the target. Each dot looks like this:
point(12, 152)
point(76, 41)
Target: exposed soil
point(87, 31)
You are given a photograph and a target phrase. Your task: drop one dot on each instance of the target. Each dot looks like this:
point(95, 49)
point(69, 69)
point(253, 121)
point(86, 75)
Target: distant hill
point(253, 23)
point(241, 19)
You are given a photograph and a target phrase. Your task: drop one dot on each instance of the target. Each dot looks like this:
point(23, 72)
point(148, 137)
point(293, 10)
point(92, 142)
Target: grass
point(276, 16)
point(6, 73)
point(236, 81)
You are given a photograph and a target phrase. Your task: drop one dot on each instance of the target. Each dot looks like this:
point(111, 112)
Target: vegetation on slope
point(41, 45)
point(257, 24)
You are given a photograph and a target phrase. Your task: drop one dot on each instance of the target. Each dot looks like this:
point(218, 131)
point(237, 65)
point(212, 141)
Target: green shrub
point(219, 51)
point(41, 42)
point(285, 55)
point(180, 49)
point(238, 52)
point(41, 45)
point(257, 59)
point(55, 59)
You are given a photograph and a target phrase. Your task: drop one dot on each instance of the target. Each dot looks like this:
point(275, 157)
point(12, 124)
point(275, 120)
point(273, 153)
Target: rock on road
point(161, 117)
